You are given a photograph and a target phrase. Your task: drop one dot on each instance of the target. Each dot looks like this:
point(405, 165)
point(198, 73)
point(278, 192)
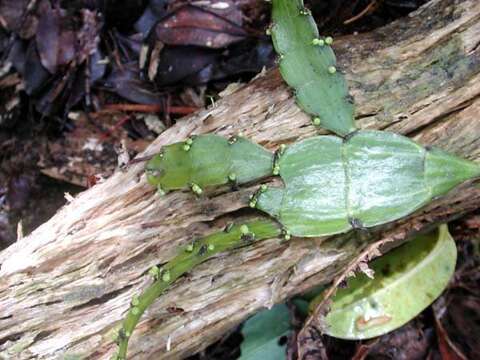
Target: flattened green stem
point(190, 256)
point(307, 64)
point(206, 161)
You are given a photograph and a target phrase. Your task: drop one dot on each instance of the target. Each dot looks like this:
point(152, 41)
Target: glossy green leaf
point(307, 63)
point(208, 160)
point(261, 334)
point(407, 280)
point(370, 178)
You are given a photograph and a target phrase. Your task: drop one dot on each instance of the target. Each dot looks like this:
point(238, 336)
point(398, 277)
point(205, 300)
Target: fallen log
point(65, 288)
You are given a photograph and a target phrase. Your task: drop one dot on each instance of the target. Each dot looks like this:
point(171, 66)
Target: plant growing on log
point(307, 63)
point(190, 256)
point(358, 179)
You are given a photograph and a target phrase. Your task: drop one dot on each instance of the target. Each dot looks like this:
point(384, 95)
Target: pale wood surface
point(65, 287)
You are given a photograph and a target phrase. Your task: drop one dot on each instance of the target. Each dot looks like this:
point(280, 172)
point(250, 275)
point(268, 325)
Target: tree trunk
point(65, 288)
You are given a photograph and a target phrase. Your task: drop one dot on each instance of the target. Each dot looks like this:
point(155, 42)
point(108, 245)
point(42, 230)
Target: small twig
point(363, 256)
point(369, 9)
point(117, 125)
point(20, 234)
point(149, 108)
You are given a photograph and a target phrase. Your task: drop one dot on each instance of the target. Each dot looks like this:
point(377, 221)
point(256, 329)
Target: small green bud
point(186, 147)
point(244, 229)
point(276, 170)
point(318, 42)
point(154, 271)
point(166, 276)
point(189, 248)
point(329, 40)
point(252, 203)
point(268, 31)
point(232, 177)
point(135, 301)
point(196, 189)
point(282, 148)
point(305, 12)
point(263, 187)
point(316, 121)
point(189, 141)
point(286, 234)
point(135, 310)
point(160, 191)
point(332, 69)
point(211, 247)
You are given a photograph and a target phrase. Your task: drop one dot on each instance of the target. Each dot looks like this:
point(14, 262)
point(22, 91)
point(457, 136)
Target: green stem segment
point(190, 256)
point(307, 64)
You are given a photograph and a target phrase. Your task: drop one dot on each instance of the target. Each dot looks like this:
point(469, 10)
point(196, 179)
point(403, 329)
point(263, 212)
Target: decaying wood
point(65, 288)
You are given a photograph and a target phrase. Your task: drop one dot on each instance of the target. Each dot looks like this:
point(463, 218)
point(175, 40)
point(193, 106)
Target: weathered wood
point(64, 288)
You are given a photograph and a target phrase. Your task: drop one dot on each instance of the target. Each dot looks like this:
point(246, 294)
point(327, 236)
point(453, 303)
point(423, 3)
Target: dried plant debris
point(457, 312)
point(197, 44)
point(68, 51)
point(216, 25)
point(126, 81)
point(61, 59)
point(153, 12)
point(90, 151)
point(347, 16)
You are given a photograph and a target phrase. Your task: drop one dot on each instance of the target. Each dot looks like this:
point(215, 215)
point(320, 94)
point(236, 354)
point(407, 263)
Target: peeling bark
point(65, 288)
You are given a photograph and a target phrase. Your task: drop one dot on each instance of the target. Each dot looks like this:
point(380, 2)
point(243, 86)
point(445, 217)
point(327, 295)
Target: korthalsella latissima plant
point(331, 184)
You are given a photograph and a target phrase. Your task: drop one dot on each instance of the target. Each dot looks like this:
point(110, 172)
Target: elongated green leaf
point(262, 332)
point(407, 280)
point(307, 63)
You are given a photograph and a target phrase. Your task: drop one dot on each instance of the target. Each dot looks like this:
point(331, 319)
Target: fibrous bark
point(65, 288)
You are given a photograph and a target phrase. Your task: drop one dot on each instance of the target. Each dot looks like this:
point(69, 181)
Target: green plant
point(307, 63)
point(407, 280)
point(331, 183)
